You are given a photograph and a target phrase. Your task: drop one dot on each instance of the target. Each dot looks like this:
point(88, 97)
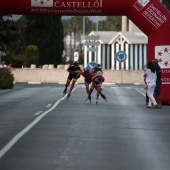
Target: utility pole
point(97, 29)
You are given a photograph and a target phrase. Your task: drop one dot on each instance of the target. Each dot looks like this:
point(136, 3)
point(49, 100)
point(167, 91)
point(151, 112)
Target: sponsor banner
point(67, 4)
point(162, 53)
point(154, 15)
point(41, 3)
point(140, 4)
point(67, 7)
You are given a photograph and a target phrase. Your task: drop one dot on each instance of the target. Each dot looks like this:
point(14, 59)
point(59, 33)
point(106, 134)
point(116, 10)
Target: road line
point(14, 140)
point(38, 113)
point(140, 92)
point(49, 105)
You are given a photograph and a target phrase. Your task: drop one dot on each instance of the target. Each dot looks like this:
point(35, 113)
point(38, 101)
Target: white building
point(130, 40)
point(133, 43)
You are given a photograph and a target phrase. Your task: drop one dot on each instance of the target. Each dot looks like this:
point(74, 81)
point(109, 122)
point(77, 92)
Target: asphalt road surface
point(42, 130)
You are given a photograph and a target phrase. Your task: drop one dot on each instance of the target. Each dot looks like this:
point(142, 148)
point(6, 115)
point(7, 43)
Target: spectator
point(150, 79)
point(157, 91)
point(147, 99)
point(2, 64)
point(76, 56)
point(9, 67)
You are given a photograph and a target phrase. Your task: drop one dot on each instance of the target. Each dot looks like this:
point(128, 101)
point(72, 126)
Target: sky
point(93, 18)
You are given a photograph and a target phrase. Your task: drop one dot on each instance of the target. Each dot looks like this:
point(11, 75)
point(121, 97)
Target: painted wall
point(60, 76)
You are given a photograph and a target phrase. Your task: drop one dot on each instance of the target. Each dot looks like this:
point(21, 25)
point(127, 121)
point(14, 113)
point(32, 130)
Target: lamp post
point(97, 29)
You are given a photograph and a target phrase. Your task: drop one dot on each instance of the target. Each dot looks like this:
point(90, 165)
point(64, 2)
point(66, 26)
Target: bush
point(6, 79)
point(31, 55)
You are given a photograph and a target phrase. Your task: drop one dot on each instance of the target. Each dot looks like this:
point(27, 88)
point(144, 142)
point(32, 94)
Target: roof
point(131, 37)
point(110, 37)
point(105, 36)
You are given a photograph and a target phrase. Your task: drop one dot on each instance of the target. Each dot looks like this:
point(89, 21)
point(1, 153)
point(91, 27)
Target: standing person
point(3, 65)
point(74, 74)
point(150, 79)
point(76, 56)
point(9, 67)
point(97, 81)
point(147, 99)
point(157, 91)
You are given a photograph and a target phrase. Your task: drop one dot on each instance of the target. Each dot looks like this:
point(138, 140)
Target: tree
point(46, 32)
point(31, 55)
point(166, 3)
point(75, 24)
point(112, 23)
point(8, 33)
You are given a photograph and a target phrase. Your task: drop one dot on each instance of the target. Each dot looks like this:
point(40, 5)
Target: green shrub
point(6, 79)
point(31, 55)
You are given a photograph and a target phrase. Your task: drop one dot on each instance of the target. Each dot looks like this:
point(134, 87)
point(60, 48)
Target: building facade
point(134, 44)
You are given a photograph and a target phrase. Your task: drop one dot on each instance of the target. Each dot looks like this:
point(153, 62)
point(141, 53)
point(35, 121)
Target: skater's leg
point(67, 84)
point(72, 86)
point(98, 92)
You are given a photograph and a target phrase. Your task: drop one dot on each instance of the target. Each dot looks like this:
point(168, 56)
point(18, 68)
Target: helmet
point(98, 65)
point(99, 73)
point(75, 63)
point(86, 70)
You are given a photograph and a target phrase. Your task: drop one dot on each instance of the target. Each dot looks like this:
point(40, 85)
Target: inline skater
point(97, 81)
point(97, 68)
point(74, 74)
point(87, 79)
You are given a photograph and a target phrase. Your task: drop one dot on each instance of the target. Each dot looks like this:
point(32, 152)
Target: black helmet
point(75, 63)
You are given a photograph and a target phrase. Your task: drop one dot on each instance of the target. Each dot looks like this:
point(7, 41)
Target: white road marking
point(31, 82)
point(49, 105)
point(38, 113)
point(14, 140)
point(140, 92)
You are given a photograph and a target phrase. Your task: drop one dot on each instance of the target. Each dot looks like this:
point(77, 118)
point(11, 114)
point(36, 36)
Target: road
point(41, 130)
